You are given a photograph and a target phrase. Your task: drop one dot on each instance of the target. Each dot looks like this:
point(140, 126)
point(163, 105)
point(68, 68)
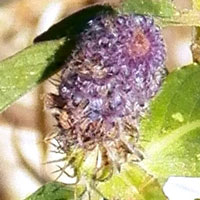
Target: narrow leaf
point(171, 130)
point(56, 191)
point(164, 12)
point(131, 183)
point(28, 68)
point(156, 8)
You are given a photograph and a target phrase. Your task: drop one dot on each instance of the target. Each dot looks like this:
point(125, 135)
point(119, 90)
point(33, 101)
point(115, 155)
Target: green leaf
point(171, 131)
point(156, 8)
point(131, 183)
point(56, 191)
point(36, 63)
point(164, 12)
point(29, 67)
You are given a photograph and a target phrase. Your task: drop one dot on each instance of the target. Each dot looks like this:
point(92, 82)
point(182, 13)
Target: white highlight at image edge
point(182, 188)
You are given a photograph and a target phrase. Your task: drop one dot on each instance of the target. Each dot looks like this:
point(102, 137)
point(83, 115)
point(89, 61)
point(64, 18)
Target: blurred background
point(25, 124)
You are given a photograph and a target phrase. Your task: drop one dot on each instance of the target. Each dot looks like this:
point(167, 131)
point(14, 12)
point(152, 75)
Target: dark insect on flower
point(105, 86)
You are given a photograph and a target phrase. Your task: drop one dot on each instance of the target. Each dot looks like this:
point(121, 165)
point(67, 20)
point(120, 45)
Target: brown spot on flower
point(140, 44)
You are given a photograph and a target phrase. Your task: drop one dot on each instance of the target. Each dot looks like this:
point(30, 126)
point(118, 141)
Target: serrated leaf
point(56, 191)
point(131, 183)
point(21, 72)
point(156, 8)
point(171, 131)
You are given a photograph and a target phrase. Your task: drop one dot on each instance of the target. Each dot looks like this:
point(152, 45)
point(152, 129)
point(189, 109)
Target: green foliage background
point(170, 132)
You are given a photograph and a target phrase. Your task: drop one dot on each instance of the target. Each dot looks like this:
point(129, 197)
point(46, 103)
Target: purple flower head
point(116, 67)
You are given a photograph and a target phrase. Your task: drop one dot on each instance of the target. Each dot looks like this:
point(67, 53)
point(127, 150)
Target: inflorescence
point(116, 67)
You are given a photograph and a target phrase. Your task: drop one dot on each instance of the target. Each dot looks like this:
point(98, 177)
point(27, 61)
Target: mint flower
point(106, 84)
